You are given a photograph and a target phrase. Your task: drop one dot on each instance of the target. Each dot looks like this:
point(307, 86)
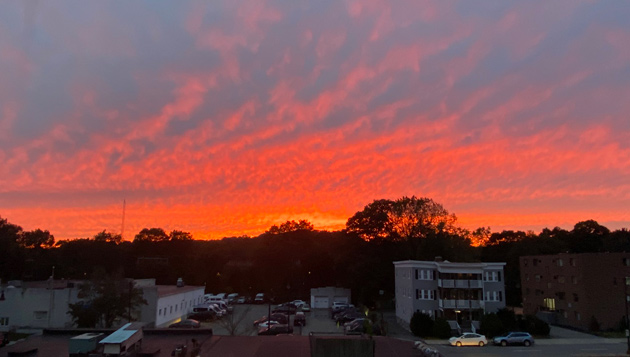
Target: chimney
point(439, 259)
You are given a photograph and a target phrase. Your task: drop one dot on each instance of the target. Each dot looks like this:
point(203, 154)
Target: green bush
point(491, 325)
point(533, 325)
point(421, 325)
point(441, 329)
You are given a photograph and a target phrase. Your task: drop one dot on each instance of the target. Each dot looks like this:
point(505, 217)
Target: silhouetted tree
point(180, 235)
point(105, 298)
point(151, 235)
point(108, 237)
point(36, 239)
point(291, 226)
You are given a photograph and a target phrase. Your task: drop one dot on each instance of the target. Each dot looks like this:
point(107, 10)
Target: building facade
point(458, 292)
point(323, 298)
point(44, 304)
point(579, 290)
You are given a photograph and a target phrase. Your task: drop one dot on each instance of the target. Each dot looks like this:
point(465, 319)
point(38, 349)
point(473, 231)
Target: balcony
point(461, 304)
point(461, 284)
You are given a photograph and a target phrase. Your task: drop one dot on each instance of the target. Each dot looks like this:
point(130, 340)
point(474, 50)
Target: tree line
point(292, 257)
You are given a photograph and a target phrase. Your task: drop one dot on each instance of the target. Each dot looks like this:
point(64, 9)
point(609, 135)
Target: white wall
point(177, 306)
point(30, 307)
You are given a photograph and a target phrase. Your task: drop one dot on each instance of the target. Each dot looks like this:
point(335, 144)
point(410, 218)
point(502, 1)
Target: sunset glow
point(223, 118)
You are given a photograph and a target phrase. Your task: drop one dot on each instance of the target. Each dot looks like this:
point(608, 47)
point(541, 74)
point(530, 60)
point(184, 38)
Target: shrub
point(593, 325)
point(421, 325)
point(534, 325)
point(508, 319)
point(491, 325)
point(441, 329)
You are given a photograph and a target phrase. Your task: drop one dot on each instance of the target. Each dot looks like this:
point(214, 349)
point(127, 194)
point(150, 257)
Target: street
point(568, 349)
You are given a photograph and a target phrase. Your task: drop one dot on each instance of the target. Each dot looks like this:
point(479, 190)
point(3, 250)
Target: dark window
point(575, 297)
point(416, 274)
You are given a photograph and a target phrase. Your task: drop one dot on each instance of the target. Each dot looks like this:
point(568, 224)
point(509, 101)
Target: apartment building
point(576, 289)
point(459, 292)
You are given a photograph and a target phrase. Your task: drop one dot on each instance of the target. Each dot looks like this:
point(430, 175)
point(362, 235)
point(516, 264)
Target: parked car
point(265, 324)
point(336, 314)
point(259, 299)
point(356, 326)
point(188, 323)
point(285, 309)
point(231, 298)
point(298, 303)
point(349, 316)
point(357, 320)
point(299, 319)
point(469, 339)
point(281, 318)
point(240, 300)
point(276, 330)
point(306, 308)
point(207, 315)
point(336, 306)
point(514, 338)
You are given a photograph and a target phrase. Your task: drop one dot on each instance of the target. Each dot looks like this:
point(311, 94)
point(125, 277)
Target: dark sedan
point(188, 323)
point(275, 330)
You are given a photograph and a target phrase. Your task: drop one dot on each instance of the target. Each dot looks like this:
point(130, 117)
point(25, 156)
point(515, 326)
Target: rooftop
point(166, 290)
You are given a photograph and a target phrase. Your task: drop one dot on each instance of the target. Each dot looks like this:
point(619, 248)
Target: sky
point(223, 118)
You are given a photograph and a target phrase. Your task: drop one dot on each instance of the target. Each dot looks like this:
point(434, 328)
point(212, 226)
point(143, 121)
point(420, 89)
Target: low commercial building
point(458, 292)
point(584, 291)
point(323, 298)
point(167, 304)
point(44, 304)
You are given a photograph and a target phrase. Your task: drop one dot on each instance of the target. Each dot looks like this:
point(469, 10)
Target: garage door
point(320, 302)
point(343, 299)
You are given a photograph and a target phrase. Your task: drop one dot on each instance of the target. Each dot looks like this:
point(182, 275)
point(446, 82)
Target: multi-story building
point(460, 292)
point(577, 290)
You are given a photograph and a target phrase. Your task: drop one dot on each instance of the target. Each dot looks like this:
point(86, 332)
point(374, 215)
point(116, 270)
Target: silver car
point(514, 338)
point(469, 339)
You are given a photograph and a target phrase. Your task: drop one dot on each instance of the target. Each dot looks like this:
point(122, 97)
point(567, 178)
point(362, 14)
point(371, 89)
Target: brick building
point(571, 289)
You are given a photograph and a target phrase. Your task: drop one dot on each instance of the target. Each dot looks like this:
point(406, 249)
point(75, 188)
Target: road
point(560, 350)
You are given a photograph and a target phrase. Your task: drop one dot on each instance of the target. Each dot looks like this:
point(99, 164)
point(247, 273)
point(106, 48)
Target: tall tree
point(108, 237)
point(36, 239)
point(105, 298)
point(151, 235)
point(180, 235)
point(291, 226)
point(405, 218)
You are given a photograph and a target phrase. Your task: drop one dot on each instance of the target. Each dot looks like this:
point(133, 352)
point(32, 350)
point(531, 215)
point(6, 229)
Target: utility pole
point(625, 301)
point(122, 229)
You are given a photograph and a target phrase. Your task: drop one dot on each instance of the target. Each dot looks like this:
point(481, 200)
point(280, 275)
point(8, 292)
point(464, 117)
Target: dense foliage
point(505, 320)
point(421, 324)
point(291, 258)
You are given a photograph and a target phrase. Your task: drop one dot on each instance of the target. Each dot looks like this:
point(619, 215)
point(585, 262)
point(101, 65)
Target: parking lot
point(242, 318)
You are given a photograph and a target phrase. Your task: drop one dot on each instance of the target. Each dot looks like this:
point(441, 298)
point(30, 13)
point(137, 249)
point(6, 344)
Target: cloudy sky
point(225, 117)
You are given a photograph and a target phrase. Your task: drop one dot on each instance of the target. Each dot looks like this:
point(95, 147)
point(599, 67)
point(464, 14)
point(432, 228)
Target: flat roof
point(166, 290)
point(122, 334)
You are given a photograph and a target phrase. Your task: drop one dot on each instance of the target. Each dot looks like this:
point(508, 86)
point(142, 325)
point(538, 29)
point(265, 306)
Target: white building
point(323, 298)
point(44, 304)
point(167, 303)
point(458, 292)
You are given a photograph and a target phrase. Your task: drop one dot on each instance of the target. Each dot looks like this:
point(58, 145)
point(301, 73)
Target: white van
point(259, 299)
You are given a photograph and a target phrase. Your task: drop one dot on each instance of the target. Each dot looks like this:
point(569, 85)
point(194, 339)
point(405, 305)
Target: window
point(626, 262)
point(171, 309)
point(538, 277)
point(493, 276)
point(559, 262)
point(575, 297)
point(4, 321)
point(40, 315)
point(574, 279)
point(561, 279)
point(526, 277)
point(549, 304)
point(572, 261)
point(426, 295)
point(416, 274)
point(525, 262)
point(578, 316)
point(560, 295)
point(535, 262)
point(426, 274)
